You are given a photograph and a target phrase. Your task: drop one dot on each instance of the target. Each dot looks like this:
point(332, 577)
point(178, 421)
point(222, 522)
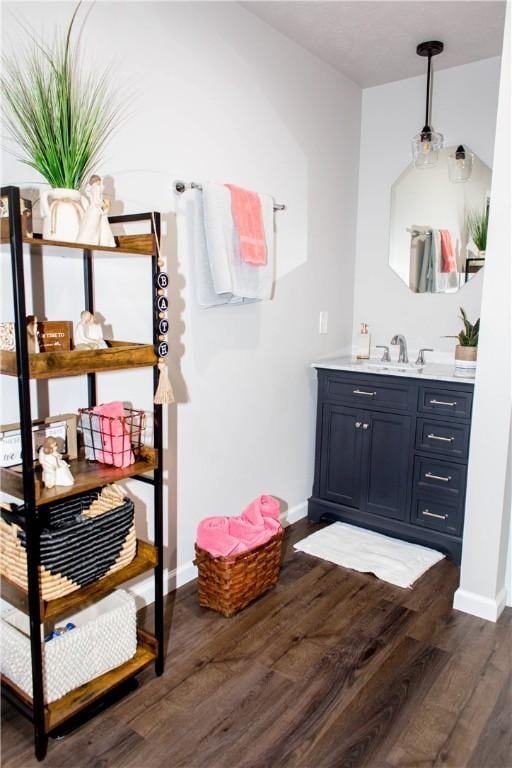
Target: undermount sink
point(380, 365)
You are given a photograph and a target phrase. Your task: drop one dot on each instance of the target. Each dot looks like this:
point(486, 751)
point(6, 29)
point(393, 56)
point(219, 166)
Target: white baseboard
point(177, 577)
point(478, 605)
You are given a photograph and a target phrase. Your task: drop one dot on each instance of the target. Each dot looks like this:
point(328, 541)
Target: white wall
point(482, 588)
point(221, 96)
point(464, 110)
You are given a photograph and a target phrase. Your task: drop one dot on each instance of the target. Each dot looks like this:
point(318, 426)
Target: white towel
point(220, 235)
point(196, 237)
point(232, 278)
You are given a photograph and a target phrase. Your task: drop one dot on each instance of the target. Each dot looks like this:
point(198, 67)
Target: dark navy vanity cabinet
point(391, 455)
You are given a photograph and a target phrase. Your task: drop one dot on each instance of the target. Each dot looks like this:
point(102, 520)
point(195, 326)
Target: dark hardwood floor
point(332, 668)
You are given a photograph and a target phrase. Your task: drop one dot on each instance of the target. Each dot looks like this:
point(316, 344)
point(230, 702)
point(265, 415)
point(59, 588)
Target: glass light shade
point(460, 166)
point(425, 149)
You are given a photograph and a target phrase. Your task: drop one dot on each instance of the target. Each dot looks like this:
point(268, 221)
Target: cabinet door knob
point(358, 424)
point(365, 426)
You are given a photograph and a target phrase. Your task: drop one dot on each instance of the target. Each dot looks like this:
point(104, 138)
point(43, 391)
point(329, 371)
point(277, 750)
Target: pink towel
point(448, 263)
point(260, 508)
point(225, 536)
point(115, 438)
point(246, 209)
point(214, 536)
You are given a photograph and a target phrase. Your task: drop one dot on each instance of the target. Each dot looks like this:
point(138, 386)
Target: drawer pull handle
point(361, 392)
point(438, 437)
point(433, 514)
point(442, 402)
point(438, 477)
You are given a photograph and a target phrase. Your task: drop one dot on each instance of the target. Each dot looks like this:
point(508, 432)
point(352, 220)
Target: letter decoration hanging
point(164, 394)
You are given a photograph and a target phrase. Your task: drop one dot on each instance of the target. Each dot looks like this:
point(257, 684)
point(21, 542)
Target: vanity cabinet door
point(386, 460)
point(340, 461)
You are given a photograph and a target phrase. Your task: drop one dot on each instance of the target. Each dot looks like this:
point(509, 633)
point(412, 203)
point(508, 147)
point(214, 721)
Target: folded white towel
point(220, 274)
point(196, 238)
point(220, 235)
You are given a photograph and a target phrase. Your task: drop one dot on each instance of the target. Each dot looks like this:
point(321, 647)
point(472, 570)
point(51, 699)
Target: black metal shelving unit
point(47, 718)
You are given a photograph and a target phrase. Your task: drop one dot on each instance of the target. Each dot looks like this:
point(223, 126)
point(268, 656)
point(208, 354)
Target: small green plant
point(59, 117)
point(476, 225)
point(468, 337)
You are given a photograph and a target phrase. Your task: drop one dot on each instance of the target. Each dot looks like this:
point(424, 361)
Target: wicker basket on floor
point(228, 584)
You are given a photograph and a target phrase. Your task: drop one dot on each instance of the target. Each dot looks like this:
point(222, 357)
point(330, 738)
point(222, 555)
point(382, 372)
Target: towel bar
point(181, 186)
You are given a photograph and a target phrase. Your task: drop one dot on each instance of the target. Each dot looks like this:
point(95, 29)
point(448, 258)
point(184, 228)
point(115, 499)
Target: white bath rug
point(398, 562)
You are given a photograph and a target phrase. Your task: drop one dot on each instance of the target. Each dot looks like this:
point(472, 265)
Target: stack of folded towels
point(229, 536)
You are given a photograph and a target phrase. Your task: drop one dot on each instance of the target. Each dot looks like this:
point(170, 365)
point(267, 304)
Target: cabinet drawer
point(368, 392)
point(440, 517)
point(443, 402)
point(450, 439)
point(442, 479)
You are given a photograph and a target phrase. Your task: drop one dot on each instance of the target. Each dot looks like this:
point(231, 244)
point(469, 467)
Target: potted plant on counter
point(60, 119)
point(466, 349)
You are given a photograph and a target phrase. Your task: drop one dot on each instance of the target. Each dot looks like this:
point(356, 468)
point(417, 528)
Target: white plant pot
point(62, 212)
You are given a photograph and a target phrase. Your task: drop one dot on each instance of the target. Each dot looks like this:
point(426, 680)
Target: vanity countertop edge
point(430, 372)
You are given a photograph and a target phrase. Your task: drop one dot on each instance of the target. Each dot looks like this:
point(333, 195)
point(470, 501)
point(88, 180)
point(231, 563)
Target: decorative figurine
point(32, 340)
point(95, 228)
point(55, 470)
point(88, 333)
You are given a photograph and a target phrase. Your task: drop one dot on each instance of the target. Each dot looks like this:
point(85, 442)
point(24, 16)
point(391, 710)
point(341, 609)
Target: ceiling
point(374, 41)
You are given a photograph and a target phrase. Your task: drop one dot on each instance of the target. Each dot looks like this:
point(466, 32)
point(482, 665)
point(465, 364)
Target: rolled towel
point(262, 507)
point(250, 536)
point(213, 535)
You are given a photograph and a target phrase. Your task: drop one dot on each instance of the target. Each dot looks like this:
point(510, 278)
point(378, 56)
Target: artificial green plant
point(59, 117)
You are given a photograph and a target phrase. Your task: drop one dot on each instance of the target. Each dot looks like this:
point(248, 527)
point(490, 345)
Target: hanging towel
point(232, 279)
point(252, 283)
point(247, 215)
point(196, 237)
point(423, 282)
point(448, 263)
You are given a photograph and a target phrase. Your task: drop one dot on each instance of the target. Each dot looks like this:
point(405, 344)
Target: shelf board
point(80, 698)
point(145, 560)
point(141, 245)
point(51, 365)
point(87, 475)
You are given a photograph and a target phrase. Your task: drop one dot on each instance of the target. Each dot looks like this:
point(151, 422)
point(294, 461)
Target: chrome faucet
point(403, 357)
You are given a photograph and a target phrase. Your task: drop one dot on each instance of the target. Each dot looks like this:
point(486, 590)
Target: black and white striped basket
point(82, 540)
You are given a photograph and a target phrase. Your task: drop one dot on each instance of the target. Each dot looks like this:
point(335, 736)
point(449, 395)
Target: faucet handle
point(420, 360)
point(385, 355)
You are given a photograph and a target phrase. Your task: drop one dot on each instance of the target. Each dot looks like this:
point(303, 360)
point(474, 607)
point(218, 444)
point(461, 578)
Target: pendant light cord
point(427, 105)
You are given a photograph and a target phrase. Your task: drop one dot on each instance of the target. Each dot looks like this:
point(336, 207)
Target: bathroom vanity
point(392, 451)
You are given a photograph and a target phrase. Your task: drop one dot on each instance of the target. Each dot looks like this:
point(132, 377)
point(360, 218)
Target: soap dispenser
point(363, 343)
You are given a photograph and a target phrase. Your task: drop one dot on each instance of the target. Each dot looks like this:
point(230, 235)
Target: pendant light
point(427, 143)
point(460, 165)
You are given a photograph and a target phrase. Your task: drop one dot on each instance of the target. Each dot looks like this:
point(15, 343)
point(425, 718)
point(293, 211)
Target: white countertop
point(436, 371)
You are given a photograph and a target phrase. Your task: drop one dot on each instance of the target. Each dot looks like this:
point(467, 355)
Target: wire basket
point(113, 440)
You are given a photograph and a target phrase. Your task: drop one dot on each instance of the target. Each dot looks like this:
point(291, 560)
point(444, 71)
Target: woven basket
point(82, 540)
point(228, 584)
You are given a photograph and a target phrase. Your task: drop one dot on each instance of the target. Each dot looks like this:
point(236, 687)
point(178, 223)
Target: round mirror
point(438, 228)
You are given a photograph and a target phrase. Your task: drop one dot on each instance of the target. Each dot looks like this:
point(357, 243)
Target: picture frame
point(62, 427)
